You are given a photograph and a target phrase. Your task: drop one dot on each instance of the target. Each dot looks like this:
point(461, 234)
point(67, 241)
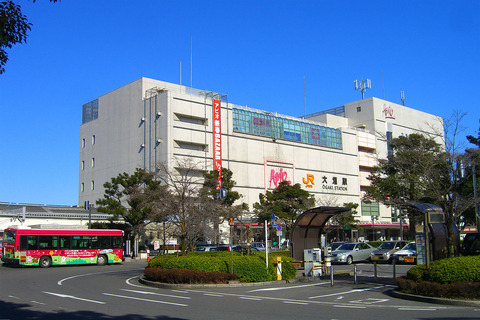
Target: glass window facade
point(90, 111)
point(269, 125)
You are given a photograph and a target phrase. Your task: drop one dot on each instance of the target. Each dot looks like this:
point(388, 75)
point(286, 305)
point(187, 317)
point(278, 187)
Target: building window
point(82, 187)
point(359, 109)
point(269, 125)
point(394, 214)
point(83, 165)
point(93, 162)
point(93, 185)
point(389, 143)
point(83, 143)
point(370, 209)
point(90, 111)
point(93, 139)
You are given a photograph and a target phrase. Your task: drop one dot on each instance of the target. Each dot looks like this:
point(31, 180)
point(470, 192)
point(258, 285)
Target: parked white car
point(351, 252)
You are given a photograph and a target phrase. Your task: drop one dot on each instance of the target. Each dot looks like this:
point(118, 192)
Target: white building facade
point(329, 153)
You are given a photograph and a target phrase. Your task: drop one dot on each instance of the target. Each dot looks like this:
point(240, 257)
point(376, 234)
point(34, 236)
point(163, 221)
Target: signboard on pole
point(217, 140)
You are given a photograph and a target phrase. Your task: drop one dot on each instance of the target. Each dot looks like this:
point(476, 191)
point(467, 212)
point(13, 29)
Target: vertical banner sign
point(217, 140)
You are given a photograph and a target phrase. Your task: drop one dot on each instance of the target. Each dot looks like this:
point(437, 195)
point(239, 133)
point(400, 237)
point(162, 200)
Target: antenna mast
point(363, 85)
point(402, 97)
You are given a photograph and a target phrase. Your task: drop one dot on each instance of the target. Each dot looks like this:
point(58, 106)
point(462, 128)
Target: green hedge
point(450, 270)
point(248, 268)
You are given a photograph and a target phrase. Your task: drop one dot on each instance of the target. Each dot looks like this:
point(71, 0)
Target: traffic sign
point(279, 228)
point(274, 224)
point(272, 216)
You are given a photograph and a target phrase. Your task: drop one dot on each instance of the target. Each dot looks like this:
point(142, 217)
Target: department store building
point(329, 153)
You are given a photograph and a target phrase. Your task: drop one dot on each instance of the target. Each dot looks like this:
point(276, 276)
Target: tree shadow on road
point(14, 311)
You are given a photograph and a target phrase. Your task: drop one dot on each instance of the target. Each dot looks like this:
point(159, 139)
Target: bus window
point(48, 242)
point(101, 242)
point(117, 242)
point(80, 242)
point(28, 243)
point(64, 242)
point(9, 236)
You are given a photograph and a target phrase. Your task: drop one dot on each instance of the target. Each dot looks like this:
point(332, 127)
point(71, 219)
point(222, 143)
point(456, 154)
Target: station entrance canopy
point(309, 226)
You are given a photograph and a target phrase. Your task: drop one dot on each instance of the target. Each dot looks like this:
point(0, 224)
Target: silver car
point(351, 252)
point(408, 254)
point(385, 251)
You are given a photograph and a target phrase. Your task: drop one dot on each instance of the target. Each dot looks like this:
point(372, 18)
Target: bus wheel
point(102, 260)
point(45, 262)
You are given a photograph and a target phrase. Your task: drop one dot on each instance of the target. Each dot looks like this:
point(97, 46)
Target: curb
point(407, 296)
point(198, 286)
point(394, 293)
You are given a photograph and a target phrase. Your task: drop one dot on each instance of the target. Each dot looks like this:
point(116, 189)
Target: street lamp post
point(373, 225)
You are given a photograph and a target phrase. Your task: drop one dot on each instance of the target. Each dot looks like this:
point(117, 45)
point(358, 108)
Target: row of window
point(268, 125)
point(84, 141)
point(93, 164)
point(92, 186)
point(31, 242)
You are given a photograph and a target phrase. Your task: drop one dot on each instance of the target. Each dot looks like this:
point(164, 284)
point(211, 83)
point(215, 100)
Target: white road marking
point(146, 300)
point(137, 285)
point(294, 302)
point(60, 295)
point(180, 291)
point(42, 303)
point(369, 301)
point(347, 306)
point(250, 298)
point(13, 297)
point(417, 309)
point(156, 294)
point(89, 274)
point(345, 292)
point(213, 295)
point(292, 287)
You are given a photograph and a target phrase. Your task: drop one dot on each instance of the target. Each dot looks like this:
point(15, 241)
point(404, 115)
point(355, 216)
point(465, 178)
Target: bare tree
point(183, 207)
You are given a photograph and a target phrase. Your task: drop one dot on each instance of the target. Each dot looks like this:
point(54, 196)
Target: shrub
point(416, 273)
point(450, 270)
point(183, 276)
point(458, 290)
point(248, 268)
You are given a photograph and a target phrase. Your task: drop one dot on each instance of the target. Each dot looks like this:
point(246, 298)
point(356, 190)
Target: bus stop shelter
point(309, 227)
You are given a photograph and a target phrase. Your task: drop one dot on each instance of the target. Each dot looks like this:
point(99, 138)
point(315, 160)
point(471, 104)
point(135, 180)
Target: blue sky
point(257, 52)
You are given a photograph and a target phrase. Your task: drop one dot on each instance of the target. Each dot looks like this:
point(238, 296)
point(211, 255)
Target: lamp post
point(373, 225)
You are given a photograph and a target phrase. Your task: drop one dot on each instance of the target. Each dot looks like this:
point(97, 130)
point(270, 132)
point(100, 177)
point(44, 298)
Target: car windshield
point(410, 246)
point(387, 245)
point(335, 245)
point(347, 246)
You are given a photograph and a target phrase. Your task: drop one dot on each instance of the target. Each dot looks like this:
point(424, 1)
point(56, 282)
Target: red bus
point(44, 248)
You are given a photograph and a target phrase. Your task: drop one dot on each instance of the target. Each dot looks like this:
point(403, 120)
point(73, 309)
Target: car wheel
point(349, 260)
point(45, 262)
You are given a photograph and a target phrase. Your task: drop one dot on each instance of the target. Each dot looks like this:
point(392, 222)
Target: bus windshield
point(9, 236)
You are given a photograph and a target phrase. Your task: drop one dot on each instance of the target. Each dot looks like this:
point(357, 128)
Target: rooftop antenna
point(383, 87)
point(363, 85)
point(191, 83)
point(304, 98)
point(402, 97)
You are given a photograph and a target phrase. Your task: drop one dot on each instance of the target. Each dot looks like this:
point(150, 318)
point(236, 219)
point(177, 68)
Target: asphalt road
point(113, 292)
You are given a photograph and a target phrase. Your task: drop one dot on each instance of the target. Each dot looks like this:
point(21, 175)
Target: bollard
point(355, 274)
point(278, 262)
point(394, 269)
point(375, 269)
point(331, 276)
